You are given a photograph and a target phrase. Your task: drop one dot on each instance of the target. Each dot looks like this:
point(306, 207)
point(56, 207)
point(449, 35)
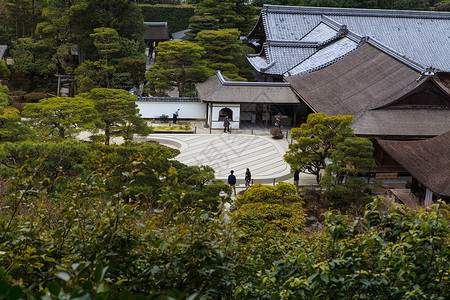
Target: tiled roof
point(167, 99)
point(156, 31)
point(324, 57)
point(2, 50)
point(218, 90)
point(362, 80)
point(420, 36)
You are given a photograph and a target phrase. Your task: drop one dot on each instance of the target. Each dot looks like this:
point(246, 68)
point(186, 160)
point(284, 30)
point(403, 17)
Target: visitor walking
point(232, 181)
point(226, 124)
point(175, 115)
point(248, 178)
point(296, 177)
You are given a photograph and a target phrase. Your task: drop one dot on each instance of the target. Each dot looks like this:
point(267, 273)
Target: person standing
point(296, 177)
point(175, 115)
point(248, 178)
point(226, 124)
point(232, 181)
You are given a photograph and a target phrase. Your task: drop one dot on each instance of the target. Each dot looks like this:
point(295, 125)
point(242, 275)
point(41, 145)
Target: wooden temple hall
point(250, 103)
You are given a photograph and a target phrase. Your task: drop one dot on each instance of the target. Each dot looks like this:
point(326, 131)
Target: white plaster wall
point(236, 109)
point(188, 110)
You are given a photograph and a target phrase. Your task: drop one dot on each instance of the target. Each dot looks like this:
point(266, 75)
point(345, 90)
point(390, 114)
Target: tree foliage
point(351, 160)
point(177, 64)
point(224, 52)
point(221, 14)
point(11, 126)
point(61, 117)
point(118, 113)
point(90, 74)
point(315, 140)
point(89, 220)
point(106, 40)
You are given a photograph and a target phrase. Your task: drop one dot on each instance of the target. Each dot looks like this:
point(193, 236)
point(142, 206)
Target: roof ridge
point(299, 44)
point(393, 53)
point(155, 23)
point(320, 66)
point(246, 83)
point(356, 12)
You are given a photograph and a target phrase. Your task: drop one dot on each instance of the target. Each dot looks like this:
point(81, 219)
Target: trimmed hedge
point(176, 16)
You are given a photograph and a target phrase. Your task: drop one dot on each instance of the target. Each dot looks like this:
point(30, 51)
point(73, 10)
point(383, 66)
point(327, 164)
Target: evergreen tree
point(315, 140)
point(177, 64)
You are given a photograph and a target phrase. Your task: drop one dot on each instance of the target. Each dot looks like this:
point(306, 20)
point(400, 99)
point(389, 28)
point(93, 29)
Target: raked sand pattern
point(225, 152)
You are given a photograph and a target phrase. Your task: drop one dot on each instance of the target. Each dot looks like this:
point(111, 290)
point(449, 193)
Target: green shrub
point(281, 193)
point(34, 97)
point(257, 220)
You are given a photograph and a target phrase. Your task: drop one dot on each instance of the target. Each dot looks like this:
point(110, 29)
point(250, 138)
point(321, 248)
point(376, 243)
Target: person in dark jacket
point(296, 177)
point(226, 124)
point(175, 115)
point(232, 181)
point(248, 178)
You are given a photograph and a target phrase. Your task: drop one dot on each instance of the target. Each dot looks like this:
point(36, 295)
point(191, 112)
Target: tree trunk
point(107, 135)
point(108, 85)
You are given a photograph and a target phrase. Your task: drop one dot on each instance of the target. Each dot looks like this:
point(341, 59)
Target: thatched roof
point(156, 32)
point(364, 79)
point(217, 89)
point(427, 160)
point(402, 122)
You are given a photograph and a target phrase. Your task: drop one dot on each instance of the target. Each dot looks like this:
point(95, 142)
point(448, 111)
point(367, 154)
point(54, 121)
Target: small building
point(157, 107)
point(249, 102)
point(428, 163)
point(154, 33)
point(291, 40)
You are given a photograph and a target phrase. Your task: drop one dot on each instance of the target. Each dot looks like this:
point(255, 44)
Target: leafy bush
point(401, 254)
point(257, 220)
point(282, 193)
point(34, 97)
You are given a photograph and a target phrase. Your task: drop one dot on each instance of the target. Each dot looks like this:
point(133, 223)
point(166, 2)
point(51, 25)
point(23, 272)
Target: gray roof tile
point(324, 57)
point(421, 36)
point(321, 32)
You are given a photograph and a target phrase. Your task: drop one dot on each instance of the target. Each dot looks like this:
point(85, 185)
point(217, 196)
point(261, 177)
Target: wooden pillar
point(267, 115)
point(210, 115)
point(207, 114)
point(295, 115)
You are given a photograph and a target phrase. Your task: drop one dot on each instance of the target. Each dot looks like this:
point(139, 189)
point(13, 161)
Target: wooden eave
point(417, 89)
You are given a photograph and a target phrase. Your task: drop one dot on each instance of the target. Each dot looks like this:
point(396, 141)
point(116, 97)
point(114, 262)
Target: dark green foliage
point(176, 16)
point(90, 75)
point(442, 6)
point(118, 113)
point(135, 67)
point(200, 188)
point(222, 14)
point(34, 97)
point(225, 52)
point(178, 64)
point(345, 176)
point(122, 81)
point(97, 236)
point(400, 254)
point(4, 70)
point(33, 57)
point(314, 142)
